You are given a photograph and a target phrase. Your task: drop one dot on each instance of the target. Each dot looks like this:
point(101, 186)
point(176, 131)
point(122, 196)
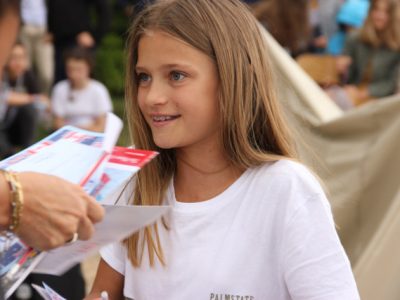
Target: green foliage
point(110, 64)
point(110, 60)
point(119, 110)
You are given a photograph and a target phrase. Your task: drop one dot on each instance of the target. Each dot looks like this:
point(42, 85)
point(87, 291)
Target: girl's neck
point(203, 168)
point(202, 176)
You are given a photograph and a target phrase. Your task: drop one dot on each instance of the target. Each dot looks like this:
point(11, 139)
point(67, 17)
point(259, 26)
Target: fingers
point(95, 211)
point(85, 229)
point(54, 210)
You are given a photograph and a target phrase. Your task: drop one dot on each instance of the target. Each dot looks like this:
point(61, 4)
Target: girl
point(371, 56)
point(247, 221)
point(80, 101)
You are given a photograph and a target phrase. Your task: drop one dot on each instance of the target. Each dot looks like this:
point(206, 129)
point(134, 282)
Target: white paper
point(47, 293)
point(41, 291)
point(112, 131)
point(118, 223)
point(65, 159)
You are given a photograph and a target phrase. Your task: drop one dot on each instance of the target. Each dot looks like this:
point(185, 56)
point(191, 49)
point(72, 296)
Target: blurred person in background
point(71, 23)
point(80, 100)
point(371, 56)
point(350, 16)
point(322, 21)
point(19, 125)
point(325, 45)
point(33, 34)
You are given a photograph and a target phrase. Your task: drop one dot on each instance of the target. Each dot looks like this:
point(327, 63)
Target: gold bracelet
point(17, 199)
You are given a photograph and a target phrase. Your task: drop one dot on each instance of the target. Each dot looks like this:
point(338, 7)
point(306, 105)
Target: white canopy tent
point(357, 156)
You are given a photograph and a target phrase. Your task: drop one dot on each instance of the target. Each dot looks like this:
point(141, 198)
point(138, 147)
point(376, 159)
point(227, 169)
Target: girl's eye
point(177, 76)
point(142, 78)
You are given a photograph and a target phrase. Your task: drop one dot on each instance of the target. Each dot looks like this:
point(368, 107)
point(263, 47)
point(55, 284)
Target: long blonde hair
point(253, 130)
point(390, 37)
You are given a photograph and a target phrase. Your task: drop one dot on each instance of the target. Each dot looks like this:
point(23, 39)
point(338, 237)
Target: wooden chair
point(321, 68)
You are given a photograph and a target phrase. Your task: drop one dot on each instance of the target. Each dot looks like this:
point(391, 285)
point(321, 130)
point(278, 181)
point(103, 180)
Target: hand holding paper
point(80, 157)
point(46, 212)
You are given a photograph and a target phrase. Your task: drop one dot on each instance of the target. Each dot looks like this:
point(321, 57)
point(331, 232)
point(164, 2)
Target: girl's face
point(78, 70)
point(18, 61)
point(177, 92)
point(380, 15)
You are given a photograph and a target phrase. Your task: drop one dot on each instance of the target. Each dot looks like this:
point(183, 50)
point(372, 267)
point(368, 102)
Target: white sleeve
point(314, 263)
point(114, 255)
point(58, 98)
point(103, 100)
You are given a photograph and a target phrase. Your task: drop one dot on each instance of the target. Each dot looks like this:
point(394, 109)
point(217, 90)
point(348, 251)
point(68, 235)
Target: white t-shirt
point(270, 235)
point(80, 107)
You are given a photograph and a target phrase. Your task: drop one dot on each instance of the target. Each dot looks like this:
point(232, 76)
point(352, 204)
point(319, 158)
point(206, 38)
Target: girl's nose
point(157, 93)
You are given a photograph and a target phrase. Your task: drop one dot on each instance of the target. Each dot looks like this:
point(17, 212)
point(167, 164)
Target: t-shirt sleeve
point(103, 101)
point(114, 255)
point(58, 96)
point(314, 263)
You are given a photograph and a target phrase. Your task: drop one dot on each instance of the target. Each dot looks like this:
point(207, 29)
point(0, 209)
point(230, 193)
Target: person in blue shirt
point(350, 16)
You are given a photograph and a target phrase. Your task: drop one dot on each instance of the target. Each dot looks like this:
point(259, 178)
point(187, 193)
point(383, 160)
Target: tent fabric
point(356, 154)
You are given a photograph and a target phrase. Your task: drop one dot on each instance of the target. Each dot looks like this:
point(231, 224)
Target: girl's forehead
point(159, 33)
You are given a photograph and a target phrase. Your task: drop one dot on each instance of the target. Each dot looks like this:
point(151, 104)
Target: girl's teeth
point(162, 118)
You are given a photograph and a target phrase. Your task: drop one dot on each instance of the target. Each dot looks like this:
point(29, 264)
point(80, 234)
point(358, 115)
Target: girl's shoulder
point(287, 175)
point(284, 167)
point(285, 187)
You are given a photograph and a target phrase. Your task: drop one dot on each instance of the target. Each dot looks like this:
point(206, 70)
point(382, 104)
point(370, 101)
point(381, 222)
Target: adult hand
point(54, 210)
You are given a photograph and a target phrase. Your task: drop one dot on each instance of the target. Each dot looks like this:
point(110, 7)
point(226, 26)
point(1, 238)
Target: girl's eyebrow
point(139, 68)
point(173, 66)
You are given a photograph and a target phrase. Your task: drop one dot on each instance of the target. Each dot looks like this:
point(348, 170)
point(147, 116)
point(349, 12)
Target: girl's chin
point(164, 144)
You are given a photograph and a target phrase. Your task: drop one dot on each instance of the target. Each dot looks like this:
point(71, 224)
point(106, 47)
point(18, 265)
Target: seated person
point(80, 100)
point(371, 57)
point(21, 104)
